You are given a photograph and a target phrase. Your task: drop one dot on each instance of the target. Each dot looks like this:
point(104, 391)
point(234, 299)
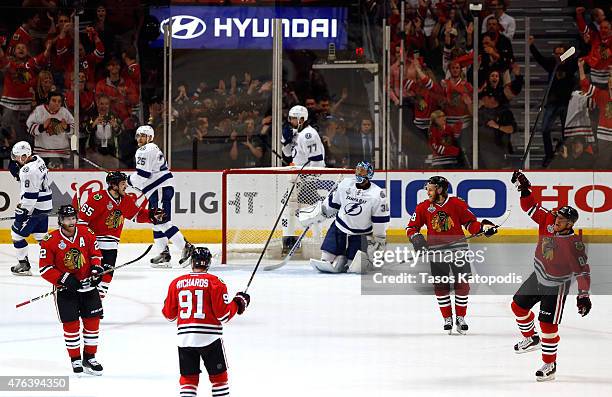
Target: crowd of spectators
point(37, 64)
point(225, 120)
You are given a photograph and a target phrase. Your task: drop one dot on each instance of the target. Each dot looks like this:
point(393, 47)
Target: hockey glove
point(157, 216)
point(487, 228)
point(521, 182)
point(14, 168)
point(21, 219)
point(584, 303)
point(70, 282)
point(242, 300)
point(95, 277)
point(418, 242)
point(288, 134)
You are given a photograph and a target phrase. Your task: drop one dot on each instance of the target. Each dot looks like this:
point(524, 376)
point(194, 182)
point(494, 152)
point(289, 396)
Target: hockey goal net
point(252, 200)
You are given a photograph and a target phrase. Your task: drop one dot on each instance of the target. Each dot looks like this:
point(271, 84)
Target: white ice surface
point(305, 334)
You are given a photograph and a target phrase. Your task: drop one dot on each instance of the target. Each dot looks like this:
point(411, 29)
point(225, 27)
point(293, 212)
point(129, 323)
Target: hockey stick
point(290, 254)
point(567, 54)
point(280, 214)
point(99, 167)
point(99, 275)
point(450, 244)
point(9, 218)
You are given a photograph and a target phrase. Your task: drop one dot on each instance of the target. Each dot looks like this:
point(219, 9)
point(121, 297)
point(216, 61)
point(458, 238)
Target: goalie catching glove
point(312, 214)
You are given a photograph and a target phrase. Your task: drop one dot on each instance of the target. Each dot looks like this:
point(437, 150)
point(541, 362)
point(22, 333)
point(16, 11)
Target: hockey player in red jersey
point(559, 256)
point(444, 217)
point(105, 212)
point(200, 304)
point(70, 260)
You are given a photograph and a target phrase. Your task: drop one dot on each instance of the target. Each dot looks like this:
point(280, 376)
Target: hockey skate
point(187, 251)
point(288, 243)
point(22, 269)
point(547, 372)
point(91, 365)
point(77, 365)
point(162, 260)
point(462, 326)
point(528, 344)
point(448, 325)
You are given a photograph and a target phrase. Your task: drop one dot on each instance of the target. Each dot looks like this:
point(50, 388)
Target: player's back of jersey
point(35, 189)
point(152, 170)
point(309, 147)
point(200, 302)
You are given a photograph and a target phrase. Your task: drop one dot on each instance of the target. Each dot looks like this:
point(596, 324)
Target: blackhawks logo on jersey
point(548, 248)
point(441, 222)
point(73, 260)
point(97, 196)
point(114, 220)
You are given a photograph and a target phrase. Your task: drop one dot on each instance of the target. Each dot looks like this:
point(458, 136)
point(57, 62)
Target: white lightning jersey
point(359, 211)
point(152, 170)
point(35, 190)
point(306, 145)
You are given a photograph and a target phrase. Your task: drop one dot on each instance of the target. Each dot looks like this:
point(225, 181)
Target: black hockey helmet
point(114, 177)
point(569, 213)
point(201, 258)
point(65, 211)
point(439, 181)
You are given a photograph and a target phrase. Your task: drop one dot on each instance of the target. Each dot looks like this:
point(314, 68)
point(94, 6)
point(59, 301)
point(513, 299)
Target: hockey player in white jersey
point(31, 214)
point(302, 144)
point(360, 227)
point(154, 179)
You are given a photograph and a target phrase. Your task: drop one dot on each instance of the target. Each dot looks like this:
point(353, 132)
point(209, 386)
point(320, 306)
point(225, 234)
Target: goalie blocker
point(359, 229)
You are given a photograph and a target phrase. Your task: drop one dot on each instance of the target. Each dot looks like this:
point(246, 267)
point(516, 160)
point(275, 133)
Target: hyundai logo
point(185, 27)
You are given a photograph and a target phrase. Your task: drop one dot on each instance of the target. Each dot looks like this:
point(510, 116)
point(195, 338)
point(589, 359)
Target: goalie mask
point(364, 172)
point(201, 258)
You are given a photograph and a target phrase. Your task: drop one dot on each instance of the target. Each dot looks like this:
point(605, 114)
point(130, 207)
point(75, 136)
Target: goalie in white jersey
point(360, 226)
point(154, 179)
point(31, 214)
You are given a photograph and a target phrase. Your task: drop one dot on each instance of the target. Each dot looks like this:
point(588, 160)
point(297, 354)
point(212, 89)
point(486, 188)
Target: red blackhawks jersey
point(444, 222)
point(557, 257)
point(200, 304)
point(105, 216)
point(60, 254)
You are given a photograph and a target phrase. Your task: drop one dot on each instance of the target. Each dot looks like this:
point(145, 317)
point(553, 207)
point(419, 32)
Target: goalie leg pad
point(324, 266)
point(335, 241)
point(360, 264)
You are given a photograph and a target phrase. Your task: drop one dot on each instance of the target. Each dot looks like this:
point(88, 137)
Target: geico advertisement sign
point(196, 200)
point(491, 194)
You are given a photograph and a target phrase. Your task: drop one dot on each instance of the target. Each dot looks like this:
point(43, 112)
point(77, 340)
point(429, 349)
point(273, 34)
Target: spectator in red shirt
point(23, 33)
point(443, 141)
point(87, 61)
point(122, 93)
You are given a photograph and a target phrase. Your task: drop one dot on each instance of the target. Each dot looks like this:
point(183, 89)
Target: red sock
point(442, 292)
point(72, 338)
point(524, 319)
point(189, 385)
point(550, 340)
point(91, 328)
point(462, 290)
point(220, 386)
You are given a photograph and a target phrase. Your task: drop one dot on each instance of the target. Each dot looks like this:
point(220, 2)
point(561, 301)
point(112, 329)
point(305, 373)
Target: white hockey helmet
point(20, 149)
point(299, 112)
point(145, 130)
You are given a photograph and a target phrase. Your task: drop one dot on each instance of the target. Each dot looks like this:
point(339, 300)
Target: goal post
point(253, 198)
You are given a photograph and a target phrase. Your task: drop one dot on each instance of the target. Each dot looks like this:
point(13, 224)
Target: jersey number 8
point(186, 302)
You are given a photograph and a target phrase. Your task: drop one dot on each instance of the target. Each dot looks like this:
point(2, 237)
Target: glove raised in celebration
point(70, 282)
point(583, 301)
point(418, 242)
point(521, 182)
point(242, 300)
point(488, 228)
